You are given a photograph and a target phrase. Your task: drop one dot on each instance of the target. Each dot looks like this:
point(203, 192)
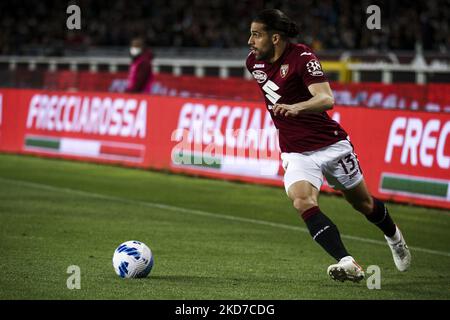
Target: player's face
point(260, 42)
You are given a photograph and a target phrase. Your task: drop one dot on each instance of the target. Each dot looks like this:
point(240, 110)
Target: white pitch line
point(203, 213)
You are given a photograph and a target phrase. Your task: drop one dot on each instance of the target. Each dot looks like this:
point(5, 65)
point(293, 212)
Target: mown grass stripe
point(201, 213)
point(415, 186)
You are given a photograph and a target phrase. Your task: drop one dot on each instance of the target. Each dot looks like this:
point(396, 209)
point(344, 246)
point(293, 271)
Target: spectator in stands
point(38, 27)
point(140, 75)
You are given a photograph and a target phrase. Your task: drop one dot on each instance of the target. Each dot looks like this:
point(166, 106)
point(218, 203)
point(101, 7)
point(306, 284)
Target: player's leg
point(377, 213)
point(373, 209)
point(344, 173)
point(302, 179)
point(304, 199)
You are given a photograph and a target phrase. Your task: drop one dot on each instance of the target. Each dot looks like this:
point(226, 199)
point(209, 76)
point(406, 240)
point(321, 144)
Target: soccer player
point(297, 95)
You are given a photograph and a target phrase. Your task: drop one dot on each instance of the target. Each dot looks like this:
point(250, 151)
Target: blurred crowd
point(324, 24)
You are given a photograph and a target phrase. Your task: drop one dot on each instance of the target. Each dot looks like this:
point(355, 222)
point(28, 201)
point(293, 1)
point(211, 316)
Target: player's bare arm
point(322, 100)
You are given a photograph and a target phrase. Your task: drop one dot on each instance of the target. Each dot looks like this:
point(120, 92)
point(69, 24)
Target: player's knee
point(301, 204)
point(364, 205)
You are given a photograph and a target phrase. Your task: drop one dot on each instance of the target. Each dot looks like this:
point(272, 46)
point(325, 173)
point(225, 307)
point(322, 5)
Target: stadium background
point(391, 87)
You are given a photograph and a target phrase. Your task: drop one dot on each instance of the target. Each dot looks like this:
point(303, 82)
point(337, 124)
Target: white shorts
point(337, 162)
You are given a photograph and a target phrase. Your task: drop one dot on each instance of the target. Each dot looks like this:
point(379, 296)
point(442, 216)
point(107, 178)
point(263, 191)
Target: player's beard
point(267, 55)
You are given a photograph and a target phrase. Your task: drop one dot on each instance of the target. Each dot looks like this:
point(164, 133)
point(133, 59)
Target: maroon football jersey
point(286, 81)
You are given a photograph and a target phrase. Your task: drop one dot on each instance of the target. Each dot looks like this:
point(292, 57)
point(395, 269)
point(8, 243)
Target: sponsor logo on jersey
point(260, 76)
point(284, 69)
point(258, 65)
point(306, 54)
point(314, 68)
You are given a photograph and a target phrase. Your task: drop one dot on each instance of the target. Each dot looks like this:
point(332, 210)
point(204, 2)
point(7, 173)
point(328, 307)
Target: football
point(133, 259)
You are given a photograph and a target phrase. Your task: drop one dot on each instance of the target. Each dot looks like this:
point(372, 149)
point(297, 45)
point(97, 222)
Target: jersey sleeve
point(310, 69)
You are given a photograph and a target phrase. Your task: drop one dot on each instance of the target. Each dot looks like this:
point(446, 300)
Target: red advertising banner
point(401, 96)
point(1, 116)
point(102, 127)
point(404, 155)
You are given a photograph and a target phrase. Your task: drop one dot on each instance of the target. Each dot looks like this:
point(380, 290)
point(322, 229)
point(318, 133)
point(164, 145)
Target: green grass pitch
point(210, 239)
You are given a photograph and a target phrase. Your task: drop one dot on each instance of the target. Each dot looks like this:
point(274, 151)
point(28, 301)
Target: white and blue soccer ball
point(133, 259)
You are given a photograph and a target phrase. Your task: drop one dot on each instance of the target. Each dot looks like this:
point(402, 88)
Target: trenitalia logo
point(91, 115)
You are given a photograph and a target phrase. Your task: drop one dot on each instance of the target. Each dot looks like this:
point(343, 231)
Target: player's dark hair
point(276, 20)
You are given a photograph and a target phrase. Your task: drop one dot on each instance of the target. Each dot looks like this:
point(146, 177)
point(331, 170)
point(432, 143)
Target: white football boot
point(400, 251)
point(346, 269)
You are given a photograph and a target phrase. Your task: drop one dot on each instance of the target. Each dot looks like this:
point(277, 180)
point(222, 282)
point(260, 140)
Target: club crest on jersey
point(260, 76)
point(284, 69)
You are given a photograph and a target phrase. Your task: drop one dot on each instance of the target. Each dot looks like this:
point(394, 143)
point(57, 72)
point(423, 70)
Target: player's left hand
point(287, 110)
